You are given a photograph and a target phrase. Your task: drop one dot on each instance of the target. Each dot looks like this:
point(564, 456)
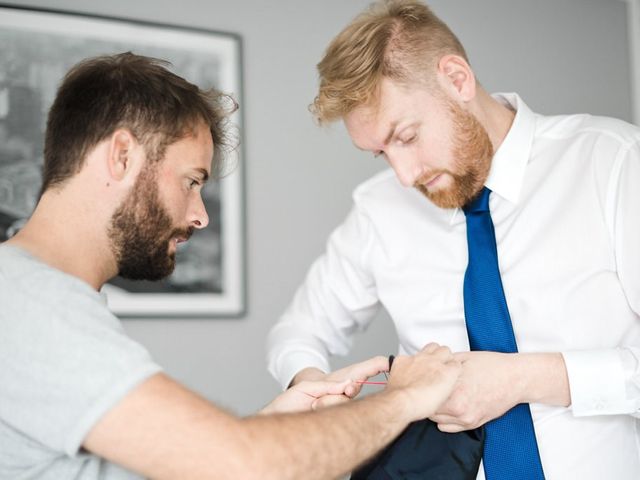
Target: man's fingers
point(450, 428)
point(353, 389)
point(462, 356)
point(325, 387)
point(433, 347)
point(445, 419)
point(369, 368)
point(438, 351)
point(430, 347)
point(329, 400)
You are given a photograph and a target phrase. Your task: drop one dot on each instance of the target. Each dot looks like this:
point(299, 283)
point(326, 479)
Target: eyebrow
point(392, 131)
point(204, 173)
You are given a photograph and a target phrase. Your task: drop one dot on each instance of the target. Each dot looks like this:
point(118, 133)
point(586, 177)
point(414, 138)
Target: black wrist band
point(391, 359)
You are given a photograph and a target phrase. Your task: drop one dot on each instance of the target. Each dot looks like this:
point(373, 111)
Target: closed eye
point(406, 141)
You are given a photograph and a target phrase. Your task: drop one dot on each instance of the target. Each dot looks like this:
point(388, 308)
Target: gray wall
point(562, 56)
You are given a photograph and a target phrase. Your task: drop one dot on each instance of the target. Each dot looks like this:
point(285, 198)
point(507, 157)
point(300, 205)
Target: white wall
point(562, 56)
point(633, 26)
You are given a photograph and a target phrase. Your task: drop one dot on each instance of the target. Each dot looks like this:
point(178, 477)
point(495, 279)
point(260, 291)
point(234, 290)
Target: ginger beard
point(473, 151)
point(141, 232)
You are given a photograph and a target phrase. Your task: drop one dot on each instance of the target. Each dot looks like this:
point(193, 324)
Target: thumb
point(323, 387)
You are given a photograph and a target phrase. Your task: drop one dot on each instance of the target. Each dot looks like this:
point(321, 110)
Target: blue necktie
point(510, 450)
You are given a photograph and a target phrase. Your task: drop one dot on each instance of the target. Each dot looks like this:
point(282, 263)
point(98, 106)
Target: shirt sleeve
point(337, 299)
point(65, 362)
point(607, 381)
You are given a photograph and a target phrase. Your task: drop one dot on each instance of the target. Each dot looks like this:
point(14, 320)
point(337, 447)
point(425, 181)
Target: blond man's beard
point(473, 151)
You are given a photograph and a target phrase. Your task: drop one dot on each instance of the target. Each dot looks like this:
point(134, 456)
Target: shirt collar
point(510, 160)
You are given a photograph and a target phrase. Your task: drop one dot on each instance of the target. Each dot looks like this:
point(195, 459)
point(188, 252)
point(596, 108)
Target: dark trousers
point(424, 452)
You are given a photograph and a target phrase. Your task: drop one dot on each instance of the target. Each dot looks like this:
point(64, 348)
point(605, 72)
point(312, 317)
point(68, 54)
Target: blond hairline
point(388, 40)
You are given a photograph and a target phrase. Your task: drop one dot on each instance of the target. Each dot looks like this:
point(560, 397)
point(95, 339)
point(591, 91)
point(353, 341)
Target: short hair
point(102, 94)
point(399, 39)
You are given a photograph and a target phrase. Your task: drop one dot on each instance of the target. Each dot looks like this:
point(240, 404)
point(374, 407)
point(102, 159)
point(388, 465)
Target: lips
point(432, 180)
point(180, 236)
point(427, 182)
point(178, 242)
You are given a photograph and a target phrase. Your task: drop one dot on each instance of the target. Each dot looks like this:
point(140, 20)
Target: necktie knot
point(478, 204)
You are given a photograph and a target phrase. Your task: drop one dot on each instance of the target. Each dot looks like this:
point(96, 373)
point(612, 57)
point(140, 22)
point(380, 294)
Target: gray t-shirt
point(65, 360)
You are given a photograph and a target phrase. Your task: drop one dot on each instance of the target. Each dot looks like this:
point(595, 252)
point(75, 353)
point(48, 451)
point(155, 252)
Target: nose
point(198, 216)
point(407, 169)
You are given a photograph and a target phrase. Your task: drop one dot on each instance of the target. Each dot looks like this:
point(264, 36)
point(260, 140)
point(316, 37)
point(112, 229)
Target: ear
point(458, 77)
point(121, 160)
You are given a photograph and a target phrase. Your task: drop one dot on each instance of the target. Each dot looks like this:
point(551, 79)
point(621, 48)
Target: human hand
point(488, 386)
point(426, 379)
point(357, 372)
point(305, 395)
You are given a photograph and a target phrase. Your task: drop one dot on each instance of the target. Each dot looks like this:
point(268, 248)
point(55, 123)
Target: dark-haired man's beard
point(141, 232)
point(473, 152)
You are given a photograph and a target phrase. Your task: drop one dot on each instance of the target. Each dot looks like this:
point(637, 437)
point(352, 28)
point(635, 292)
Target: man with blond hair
point(496, 230)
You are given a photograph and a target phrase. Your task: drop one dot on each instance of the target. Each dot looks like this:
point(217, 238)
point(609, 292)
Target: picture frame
point(37, 47)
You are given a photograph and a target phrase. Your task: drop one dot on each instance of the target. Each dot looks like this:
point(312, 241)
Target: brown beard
point(141, 231)
point(473, 151)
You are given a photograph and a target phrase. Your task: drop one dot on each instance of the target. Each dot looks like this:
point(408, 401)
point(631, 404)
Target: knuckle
point(322, 402)
point(458, 408)
point(469, 419)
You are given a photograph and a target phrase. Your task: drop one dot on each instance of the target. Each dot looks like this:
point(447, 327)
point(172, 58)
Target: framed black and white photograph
point(37, 48)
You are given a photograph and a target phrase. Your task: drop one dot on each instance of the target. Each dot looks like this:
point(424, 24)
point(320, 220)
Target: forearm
point(492, 383)
point(163, 431)
point(340, 438)
point(541, 378)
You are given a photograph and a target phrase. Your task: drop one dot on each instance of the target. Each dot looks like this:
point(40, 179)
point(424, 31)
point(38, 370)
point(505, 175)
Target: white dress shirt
point(566, 211)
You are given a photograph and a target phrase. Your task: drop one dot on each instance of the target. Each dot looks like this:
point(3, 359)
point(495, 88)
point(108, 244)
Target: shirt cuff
point(288, 364)
point(597, 383)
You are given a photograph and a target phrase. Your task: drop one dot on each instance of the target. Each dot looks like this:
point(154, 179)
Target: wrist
point(542, 378)
point(396, 405)
point(307, 374)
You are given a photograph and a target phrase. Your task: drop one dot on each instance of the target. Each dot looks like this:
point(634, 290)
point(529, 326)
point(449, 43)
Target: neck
point(494, 116)
point(65, 234)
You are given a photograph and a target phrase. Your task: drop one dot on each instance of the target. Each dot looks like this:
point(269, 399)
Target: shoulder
point(29, 286)
point(588, 127)
point(596, 145)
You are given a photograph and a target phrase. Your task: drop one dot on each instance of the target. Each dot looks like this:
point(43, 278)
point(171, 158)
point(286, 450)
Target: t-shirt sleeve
point(65, 360)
